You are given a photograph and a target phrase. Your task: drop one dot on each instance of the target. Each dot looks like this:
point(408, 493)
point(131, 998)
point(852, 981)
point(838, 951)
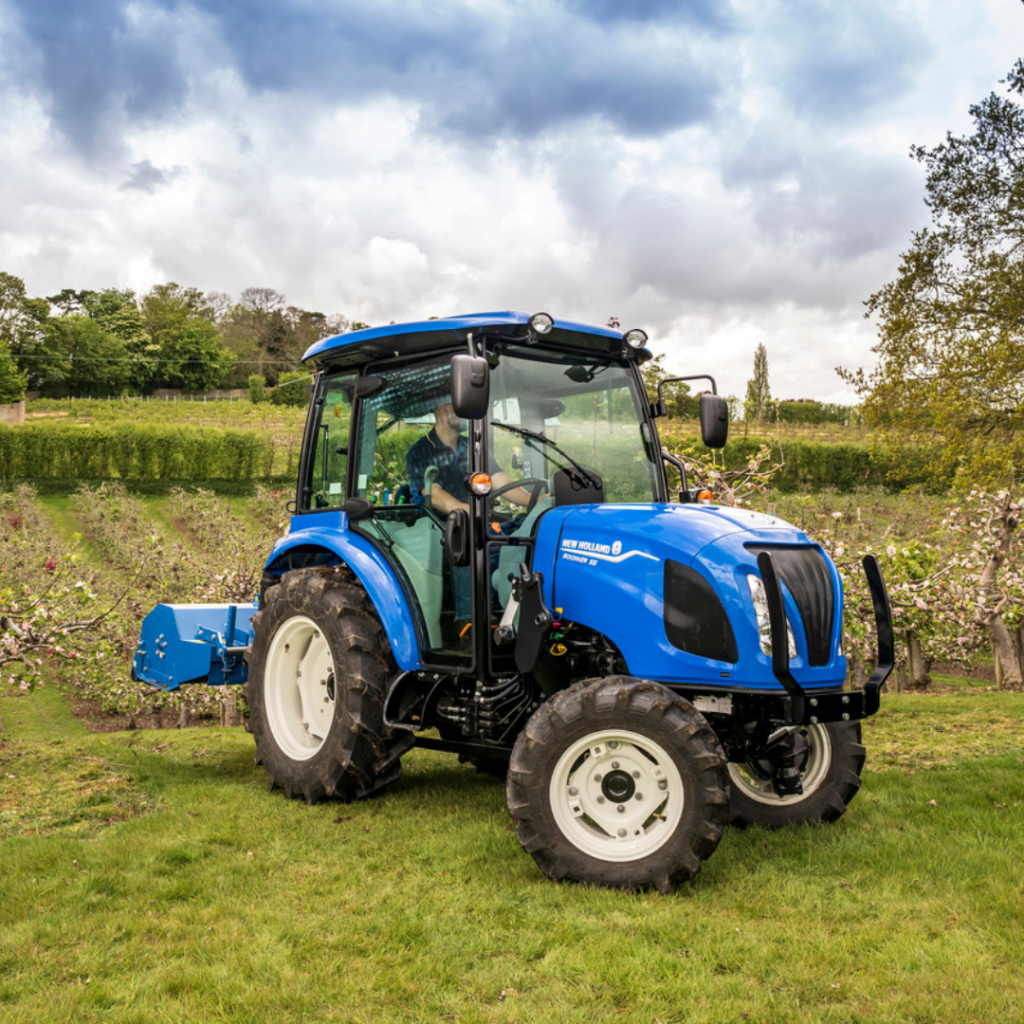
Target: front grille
point(806, 575)
point(695, 619)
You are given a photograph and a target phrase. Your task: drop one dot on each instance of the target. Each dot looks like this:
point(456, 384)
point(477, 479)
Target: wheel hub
point(616, 795)
point(299, 688)
point(618, 786)
point(771, 780)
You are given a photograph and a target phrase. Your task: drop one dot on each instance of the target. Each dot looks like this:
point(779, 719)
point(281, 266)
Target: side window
point(325, 473)
point(391, 421)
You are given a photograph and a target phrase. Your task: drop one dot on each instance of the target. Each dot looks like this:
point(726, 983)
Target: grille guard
point(836, 706)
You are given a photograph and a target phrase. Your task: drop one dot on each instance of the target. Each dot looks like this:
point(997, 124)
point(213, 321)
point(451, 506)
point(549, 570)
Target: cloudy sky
point(719, 173)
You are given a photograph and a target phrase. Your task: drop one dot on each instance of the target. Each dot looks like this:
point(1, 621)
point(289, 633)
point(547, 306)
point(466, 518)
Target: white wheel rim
point(299, 688)
point(819, 760)
point(583, 795)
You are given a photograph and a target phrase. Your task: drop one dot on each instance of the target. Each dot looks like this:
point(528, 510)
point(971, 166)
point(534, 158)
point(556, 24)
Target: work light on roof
point(636, 338)
point(541, 323)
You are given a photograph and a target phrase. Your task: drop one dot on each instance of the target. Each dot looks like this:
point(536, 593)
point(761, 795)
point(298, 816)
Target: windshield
point(586, 413)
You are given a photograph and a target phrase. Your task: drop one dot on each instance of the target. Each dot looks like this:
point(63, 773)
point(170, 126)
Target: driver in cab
point(447, 448)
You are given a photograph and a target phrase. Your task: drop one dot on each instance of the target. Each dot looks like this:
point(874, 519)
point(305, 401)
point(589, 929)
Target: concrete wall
point(14, 413)
point(172, 394)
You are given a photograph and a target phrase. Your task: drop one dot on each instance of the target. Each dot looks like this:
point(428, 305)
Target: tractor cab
point(446, 456)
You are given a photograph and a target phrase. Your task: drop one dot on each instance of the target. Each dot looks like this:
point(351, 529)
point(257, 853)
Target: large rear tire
point(620, 783)
point(318, 670)
point(830, 775)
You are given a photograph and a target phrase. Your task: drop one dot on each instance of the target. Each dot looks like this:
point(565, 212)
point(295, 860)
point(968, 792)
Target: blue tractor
point(484, 558)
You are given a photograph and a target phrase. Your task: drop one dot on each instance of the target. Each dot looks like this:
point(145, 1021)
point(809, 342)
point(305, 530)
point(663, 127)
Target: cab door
point(390, 422)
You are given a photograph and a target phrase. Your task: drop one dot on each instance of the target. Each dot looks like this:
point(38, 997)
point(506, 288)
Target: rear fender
point(329, 543)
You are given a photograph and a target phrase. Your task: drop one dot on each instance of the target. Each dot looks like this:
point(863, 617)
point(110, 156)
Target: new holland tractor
point(485, 558)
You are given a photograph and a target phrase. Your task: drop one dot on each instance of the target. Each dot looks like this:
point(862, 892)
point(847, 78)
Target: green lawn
point(151, 876)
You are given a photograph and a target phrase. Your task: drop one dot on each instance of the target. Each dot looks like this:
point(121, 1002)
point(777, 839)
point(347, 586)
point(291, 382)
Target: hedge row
point(129, 451)
point(158, 452)
point(814, 465)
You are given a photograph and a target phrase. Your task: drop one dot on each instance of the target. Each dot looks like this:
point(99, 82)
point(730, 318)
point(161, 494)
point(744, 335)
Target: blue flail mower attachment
point(194, 643)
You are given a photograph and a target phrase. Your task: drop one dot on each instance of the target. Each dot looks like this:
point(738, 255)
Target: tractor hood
point(659, 532)
point(613, 565)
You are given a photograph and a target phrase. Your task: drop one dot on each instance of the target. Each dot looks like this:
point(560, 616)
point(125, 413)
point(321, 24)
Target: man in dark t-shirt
point(448, 448)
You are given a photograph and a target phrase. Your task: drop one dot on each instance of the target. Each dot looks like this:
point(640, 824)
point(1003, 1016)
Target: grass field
point(150, 876)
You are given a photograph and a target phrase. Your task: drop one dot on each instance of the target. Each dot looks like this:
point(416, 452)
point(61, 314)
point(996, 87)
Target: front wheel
point(830, 768)
point(620, 783)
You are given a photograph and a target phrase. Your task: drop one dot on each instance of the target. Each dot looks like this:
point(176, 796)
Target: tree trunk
point(1008, 673)
point(916, 666)
point(990, 603)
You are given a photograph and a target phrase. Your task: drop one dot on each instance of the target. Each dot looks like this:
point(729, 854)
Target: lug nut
point(613, 744)
point(598, 777)
point(622, 833)
point(615, 764)
point(600, 799)
point(636, 775)
point(639, 796)
point(663, 785)
point(621, 808)
point(573, 791)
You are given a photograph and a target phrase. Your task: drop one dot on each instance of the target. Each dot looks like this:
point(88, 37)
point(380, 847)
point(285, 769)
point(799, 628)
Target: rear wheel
point(830, 768)
point(619, 783)
point(318, 670)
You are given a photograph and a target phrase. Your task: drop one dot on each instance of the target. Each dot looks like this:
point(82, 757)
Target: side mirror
point(714, 420)
point(471, 386)
point(551, 408)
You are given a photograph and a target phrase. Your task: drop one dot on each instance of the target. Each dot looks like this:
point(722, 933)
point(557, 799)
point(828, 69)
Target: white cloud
point(718, 204)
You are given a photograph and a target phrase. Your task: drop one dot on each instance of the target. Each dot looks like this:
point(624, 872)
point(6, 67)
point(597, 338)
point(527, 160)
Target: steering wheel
point(536, 484)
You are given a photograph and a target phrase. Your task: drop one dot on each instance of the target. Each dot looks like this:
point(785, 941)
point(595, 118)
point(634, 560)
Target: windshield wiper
point(535, 435)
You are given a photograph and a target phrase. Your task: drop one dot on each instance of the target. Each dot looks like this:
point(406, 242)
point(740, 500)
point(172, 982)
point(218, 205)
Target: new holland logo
point(590, 552)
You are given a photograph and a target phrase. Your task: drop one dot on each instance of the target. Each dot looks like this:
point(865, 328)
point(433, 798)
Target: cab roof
point(399, 339)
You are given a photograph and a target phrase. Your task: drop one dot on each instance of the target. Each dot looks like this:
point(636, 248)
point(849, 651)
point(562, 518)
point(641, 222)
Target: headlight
point(636, 338)
point(764, 626)
point(541, 323)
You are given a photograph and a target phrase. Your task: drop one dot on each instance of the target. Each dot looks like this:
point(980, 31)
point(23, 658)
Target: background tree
point(268, 336)
point(950, 370)
point(194, 358)
point(678, 400)
point(180, 321)
point(12, 380)
point(97, 364)
point(947, 392)
point(759, 395)
point(23, 330)
point(118, 313)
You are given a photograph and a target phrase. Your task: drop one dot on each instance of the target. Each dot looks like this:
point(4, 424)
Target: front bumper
point(834, 705)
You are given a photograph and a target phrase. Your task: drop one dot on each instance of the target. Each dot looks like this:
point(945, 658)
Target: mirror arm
point(676, 380)
point(667, 457)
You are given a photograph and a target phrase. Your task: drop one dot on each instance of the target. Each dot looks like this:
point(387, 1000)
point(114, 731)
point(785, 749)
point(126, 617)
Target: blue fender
point(328, 534)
